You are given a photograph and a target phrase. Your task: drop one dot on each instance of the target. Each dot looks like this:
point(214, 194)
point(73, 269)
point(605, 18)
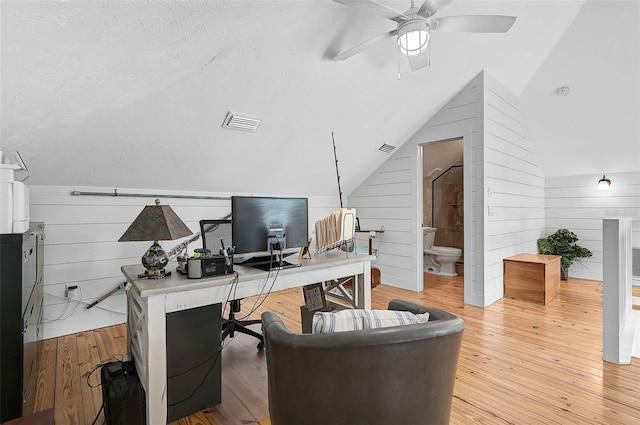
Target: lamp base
point(154, 261)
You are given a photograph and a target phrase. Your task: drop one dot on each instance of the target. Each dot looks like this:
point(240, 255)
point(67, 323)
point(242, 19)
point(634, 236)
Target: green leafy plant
point(563, 242)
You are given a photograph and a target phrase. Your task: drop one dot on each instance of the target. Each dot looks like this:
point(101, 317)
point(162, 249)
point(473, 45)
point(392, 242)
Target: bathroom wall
point(427, 214)
point(438, 158)
point(448, 196)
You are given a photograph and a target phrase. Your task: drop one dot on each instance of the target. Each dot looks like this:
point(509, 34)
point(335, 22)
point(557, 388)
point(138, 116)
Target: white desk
point(150, 300)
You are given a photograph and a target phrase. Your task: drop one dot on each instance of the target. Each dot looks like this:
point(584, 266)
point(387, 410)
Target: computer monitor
point(214, 233)
point(266, 227)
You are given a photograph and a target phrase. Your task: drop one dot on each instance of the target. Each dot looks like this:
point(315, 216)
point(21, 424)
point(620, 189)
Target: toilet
point(439, 260)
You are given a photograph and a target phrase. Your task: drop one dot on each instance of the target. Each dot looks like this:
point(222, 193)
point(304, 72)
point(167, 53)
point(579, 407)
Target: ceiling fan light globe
point(413, 38)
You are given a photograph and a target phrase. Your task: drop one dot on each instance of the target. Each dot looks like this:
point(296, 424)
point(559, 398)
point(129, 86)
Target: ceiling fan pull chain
point(399, 58)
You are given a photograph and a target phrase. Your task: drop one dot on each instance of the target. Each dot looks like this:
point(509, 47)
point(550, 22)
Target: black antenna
point(337, 172)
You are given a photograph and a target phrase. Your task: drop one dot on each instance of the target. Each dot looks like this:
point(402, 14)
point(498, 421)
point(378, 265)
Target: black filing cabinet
point(21, 295)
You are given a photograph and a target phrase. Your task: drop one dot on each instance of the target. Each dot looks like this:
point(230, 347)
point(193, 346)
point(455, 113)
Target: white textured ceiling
point(133, 94)
point(597, 128)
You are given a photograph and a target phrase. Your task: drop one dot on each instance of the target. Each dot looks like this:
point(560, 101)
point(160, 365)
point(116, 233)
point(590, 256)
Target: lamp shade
point(156, 223)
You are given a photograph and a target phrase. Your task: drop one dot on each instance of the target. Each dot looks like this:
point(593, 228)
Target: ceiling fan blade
point(372, 7)
point(474, 23)
point(431, 7)
point(419, 62)
point(363, 46)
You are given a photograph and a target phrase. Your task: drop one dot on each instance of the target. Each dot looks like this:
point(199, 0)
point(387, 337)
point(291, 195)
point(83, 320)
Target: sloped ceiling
point(596, 129)
point(133, 94)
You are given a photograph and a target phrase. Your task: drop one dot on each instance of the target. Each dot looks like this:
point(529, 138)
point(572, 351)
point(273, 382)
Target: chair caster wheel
point(260, 346)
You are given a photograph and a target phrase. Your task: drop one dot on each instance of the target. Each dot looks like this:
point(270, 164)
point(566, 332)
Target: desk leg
point(156, 364)
point(362, 288)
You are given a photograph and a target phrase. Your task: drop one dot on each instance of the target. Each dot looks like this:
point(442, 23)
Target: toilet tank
point(428, 235)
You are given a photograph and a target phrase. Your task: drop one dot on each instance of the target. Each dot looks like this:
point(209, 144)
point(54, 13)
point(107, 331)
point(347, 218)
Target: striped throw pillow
point(354, 319)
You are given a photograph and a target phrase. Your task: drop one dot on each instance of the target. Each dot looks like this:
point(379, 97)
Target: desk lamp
point(155, 223)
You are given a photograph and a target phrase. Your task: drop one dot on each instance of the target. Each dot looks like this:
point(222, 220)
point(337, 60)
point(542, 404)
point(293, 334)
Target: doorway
point(443, 209)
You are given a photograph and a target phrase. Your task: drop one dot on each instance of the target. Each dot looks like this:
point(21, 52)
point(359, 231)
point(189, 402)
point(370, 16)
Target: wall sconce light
point(155, 223)
point(604, 183)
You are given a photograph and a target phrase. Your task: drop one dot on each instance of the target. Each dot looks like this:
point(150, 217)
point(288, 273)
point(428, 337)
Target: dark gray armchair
point(394, 375)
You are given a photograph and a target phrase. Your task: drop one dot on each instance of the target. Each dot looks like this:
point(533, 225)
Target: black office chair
point(213, 232)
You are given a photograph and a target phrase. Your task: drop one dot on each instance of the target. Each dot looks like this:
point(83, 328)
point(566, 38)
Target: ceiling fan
point(415, 25)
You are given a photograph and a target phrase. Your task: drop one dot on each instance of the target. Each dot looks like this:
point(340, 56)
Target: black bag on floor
point(123, 397)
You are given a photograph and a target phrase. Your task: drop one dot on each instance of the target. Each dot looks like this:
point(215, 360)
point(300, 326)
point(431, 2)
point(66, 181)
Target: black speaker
point(122, 394)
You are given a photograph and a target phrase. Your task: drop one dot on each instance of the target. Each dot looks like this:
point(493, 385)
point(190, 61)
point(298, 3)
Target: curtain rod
point(146, 195)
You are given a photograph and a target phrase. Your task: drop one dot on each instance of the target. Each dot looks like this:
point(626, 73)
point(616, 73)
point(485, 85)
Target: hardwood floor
point(520, 363)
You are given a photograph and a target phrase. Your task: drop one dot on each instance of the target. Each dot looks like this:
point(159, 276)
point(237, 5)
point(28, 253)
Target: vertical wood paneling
point(575, 203)
point(82, 248)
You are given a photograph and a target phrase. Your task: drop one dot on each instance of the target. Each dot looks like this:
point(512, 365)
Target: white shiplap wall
point(81, 245)
point(461, 117)
point(384, 201)
point(498, 155)
point(575, 203)
point(513, 186)
point(389, 198)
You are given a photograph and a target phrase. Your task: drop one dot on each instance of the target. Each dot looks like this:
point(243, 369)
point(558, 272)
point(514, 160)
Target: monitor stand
point(269, 262)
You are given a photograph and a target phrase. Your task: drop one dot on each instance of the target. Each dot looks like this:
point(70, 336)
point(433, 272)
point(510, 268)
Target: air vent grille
point(235, 121)
point(385, 148)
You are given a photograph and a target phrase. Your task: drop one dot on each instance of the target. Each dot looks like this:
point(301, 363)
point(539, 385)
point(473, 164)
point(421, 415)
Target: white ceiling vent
point(386, 148)
point(241, 122)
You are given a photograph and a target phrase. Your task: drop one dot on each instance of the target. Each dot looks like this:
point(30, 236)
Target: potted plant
point(563, 242)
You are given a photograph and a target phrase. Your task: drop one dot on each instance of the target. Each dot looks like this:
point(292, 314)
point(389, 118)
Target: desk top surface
point(178, 282)
point(534, 258)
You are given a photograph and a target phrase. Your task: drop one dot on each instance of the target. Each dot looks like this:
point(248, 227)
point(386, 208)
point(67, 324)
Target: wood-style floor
point(521, 363)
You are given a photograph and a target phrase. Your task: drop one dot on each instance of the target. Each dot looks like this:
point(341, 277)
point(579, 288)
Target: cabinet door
point(29, 354)
point(29, 266)
point(39, 326)
point(11, 325)
point(32, 315)
point(39, 292)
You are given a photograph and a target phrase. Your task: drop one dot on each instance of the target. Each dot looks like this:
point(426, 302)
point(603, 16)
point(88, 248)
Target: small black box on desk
point(211, 265)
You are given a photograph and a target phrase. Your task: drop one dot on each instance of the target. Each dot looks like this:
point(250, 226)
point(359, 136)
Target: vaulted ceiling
point(133, 94)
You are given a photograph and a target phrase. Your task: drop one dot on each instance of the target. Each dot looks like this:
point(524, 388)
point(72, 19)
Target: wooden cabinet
point(21, 290)
point(532, 277)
